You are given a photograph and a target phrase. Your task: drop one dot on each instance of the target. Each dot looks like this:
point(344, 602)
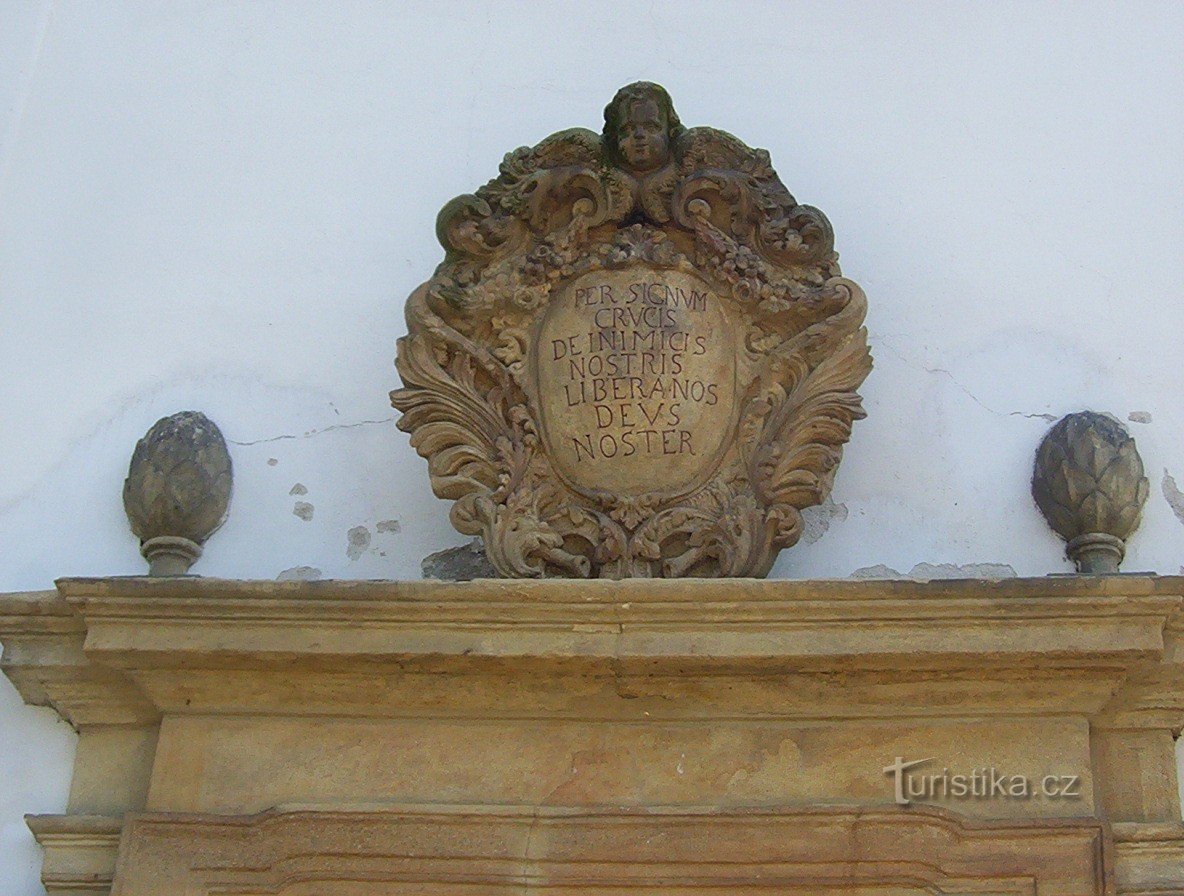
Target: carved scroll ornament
point(638, 357)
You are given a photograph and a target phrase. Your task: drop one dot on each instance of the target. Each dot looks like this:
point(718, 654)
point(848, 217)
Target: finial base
point(1096, 553)
point(170, 555)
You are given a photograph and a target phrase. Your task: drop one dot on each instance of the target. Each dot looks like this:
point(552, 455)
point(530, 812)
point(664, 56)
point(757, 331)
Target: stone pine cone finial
point(177, 490)
point(1089, 484)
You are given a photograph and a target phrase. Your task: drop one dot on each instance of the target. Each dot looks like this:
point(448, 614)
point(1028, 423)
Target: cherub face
point(643, 137)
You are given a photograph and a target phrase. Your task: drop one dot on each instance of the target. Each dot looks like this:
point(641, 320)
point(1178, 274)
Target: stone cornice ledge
point(523, 849)
point(44, 659)
point(80, 852)
point(1149, 858)
point(834, 648)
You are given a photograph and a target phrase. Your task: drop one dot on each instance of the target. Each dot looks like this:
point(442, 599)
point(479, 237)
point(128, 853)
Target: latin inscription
point(635, 378)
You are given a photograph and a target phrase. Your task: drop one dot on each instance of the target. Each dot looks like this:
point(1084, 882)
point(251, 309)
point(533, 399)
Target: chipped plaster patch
point(299, 574)
point(925, 572)
point(879, 571)
point(303, 510)
point(816, 520)
point(1173, 495)
point(460, 564)
point(357, 542)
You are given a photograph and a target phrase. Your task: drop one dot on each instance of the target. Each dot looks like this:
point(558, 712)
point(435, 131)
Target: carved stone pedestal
point(722, 737)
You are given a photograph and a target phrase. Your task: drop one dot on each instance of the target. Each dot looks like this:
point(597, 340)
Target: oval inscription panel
point(636, 381)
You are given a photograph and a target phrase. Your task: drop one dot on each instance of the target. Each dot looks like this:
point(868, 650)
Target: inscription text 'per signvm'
point(638, 357)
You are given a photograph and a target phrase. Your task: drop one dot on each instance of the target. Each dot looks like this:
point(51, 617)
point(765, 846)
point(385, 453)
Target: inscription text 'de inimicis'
point(636, 380)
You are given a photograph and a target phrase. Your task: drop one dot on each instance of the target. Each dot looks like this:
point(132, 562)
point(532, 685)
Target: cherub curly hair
point(614, 112)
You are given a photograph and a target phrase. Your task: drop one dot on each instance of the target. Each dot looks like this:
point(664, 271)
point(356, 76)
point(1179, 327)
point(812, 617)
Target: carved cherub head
point(640, 126)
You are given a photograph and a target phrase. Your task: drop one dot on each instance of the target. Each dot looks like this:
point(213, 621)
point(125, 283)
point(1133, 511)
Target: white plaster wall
point(222, 206)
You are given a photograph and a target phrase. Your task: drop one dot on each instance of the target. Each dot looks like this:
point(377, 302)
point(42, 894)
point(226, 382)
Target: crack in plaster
point(313, 432)
point(941, 371)
point(25, 80)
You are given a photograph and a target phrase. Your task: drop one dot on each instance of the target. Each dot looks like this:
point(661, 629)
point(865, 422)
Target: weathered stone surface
point(1088, 482)
point(638, 357)
point(177, 490)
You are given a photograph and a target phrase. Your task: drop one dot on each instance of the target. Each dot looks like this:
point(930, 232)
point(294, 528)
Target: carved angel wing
point(701, 148)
